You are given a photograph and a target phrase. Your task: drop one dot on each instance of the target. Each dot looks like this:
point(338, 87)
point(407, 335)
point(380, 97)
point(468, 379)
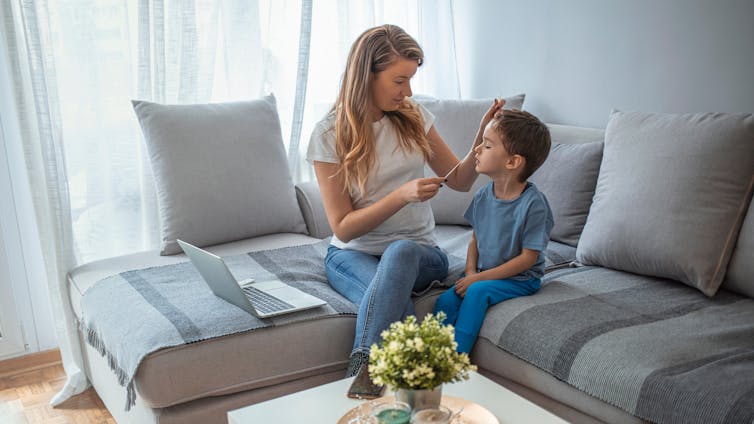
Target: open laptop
point(262, 299)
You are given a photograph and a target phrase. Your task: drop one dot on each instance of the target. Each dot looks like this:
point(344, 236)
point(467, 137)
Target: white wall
point(578, 59)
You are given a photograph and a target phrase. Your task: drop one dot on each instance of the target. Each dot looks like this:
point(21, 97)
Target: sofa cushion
point(740, 276)
point(233, 363)
point(605, 332)
point(568, 178)
point(457, 121)
point(566, 401)
point(246, 361)
point(220, 171)
point(671, 195)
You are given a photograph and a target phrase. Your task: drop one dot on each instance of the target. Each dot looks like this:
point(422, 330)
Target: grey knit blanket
point(132, 314)
point(655, 348)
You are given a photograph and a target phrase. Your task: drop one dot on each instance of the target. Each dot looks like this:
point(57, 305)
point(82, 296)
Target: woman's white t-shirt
point(392, 168)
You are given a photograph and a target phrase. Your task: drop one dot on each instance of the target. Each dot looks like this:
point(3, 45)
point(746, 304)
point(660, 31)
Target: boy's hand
point(463, 284)
point(494, 110)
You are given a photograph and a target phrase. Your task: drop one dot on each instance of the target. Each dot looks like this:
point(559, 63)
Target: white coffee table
point(326, 404)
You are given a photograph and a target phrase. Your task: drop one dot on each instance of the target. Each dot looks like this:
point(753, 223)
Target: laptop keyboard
point(264, 302)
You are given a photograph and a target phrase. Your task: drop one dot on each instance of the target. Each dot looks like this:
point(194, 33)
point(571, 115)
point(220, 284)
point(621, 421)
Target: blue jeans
point(382, 285)
point(467, 313)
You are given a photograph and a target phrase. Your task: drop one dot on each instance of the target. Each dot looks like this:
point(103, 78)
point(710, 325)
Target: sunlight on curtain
point(107, 52)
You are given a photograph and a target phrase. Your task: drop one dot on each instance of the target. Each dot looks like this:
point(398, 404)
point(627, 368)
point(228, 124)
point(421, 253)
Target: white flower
point(418, 355)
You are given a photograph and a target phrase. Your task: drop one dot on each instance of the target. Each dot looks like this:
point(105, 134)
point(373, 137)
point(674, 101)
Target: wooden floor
point(28, 383)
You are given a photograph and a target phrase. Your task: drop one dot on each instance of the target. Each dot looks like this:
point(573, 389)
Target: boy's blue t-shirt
point(504, 227)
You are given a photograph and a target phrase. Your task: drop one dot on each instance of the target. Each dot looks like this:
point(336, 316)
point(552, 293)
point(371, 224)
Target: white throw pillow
point(220, 171)
point(457, 121)
point(671, 195)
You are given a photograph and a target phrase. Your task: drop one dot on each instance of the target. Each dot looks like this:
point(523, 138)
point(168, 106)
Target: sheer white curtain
point(77, 63)
point(26, 37)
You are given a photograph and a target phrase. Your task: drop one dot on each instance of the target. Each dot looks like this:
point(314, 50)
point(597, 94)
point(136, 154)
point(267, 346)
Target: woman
point(369, 155)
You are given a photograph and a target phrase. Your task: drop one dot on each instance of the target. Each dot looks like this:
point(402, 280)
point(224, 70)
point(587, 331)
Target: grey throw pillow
point(220, 170)
point(671, 195)
point(457, 121)
point(568, 179)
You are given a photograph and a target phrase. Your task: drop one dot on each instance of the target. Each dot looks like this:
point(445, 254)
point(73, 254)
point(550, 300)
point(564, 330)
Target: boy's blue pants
point(467, 313)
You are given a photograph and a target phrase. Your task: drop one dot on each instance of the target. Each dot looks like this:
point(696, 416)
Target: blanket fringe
point(96, 342)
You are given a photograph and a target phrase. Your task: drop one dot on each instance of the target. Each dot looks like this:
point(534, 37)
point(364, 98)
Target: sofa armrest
point(310, 202)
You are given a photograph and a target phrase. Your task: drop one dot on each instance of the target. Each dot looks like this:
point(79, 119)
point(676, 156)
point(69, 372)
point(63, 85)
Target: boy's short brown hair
point(523, 134)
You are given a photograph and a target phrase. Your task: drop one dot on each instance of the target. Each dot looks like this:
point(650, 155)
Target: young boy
point(512, 222)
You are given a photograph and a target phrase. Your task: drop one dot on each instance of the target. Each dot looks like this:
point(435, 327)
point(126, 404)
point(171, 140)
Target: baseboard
point(29, 362)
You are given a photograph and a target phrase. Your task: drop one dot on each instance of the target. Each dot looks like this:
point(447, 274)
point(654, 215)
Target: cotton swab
point(451, 170)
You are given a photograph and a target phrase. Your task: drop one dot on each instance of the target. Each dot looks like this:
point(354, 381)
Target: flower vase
point(420, 398)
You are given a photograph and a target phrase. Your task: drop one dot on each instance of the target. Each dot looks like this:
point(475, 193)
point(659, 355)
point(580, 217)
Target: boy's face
point(492, 158)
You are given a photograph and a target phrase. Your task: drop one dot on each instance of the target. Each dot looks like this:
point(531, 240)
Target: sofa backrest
point(569, 134)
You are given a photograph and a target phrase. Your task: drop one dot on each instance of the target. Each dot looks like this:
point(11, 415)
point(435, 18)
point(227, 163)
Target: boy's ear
point(515, 162)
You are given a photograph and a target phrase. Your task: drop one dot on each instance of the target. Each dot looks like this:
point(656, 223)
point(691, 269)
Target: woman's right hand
point(420, 189)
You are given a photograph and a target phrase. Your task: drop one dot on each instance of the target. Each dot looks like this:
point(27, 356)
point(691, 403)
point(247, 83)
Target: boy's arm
point(472, 254)
point(515, 266)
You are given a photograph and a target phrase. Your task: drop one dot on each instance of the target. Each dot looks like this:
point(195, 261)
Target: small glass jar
point(435, 415)
point(392, 413)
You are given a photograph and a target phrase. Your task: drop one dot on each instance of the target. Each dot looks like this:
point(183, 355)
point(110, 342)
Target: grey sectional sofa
point(601, 342)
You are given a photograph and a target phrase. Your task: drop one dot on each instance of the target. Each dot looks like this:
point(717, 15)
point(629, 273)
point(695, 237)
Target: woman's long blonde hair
point(371, 53)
